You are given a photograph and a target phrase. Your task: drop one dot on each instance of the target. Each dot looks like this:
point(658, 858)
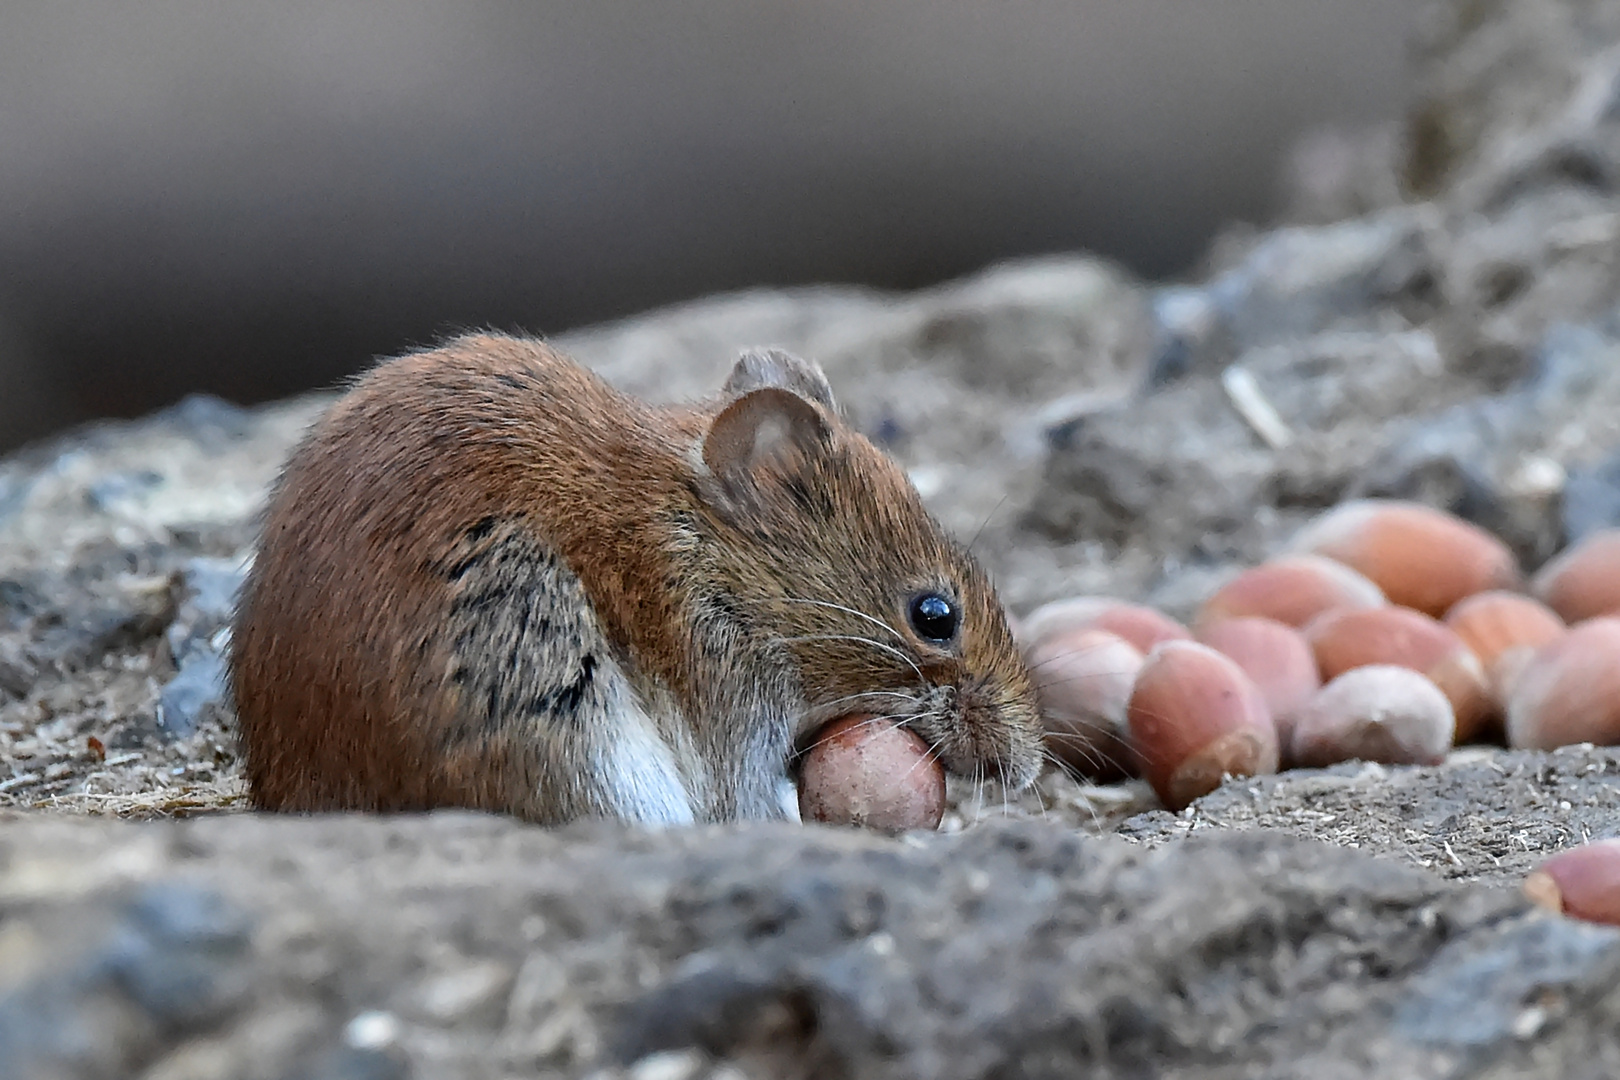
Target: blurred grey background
point(253, 197)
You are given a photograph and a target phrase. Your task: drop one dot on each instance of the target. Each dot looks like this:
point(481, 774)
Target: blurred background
point(255, 197)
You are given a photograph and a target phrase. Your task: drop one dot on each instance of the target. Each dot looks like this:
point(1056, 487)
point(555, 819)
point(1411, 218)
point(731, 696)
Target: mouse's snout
point(986, 731)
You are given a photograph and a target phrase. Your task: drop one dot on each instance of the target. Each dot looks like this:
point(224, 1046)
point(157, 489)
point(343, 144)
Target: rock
point(1493, 75)
point(1299, 281)
point(199, 686)
point(208, 588)
point(17, 669)
point(95, 986)
point(1181, 474)
point(1592, 498)
point(1503, 461)
point(1333, 173)
point(1014, 949)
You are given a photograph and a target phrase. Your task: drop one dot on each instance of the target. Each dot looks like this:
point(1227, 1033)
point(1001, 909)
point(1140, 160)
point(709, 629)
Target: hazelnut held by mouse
point(487, 579)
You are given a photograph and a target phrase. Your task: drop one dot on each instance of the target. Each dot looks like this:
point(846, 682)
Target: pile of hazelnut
point(1389, 632)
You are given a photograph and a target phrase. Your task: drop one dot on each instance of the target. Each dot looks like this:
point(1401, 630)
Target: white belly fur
point(633, 765)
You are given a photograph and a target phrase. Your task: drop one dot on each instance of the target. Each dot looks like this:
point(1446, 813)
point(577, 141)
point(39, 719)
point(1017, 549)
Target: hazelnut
point(1195, 718)
point(1343, 640)
point(1569, 690)
point(1378, 713)
point(1421, 557)
point(868, 771)
point(1138, 624)
point(1276, 658)
point(1582, 882)
point(1293, 589)
point(1083, 679)
point(1503, 629)
point(1584, 580)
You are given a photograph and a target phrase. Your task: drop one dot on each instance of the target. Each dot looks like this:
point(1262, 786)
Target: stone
point(1504, 461)
point(1592, 498)
point(95, 986)
point(1013, 949)
point(200, 685)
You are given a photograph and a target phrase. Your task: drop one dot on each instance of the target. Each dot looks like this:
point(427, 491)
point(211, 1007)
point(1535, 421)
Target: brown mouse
point(487, 579)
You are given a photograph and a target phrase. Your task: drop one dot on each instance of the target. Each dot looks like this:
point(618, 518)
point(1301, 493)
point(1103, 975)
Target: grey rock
point(213, 585)
point(1181, 474)
point(1530, 976)
point(1297, 281)
point(17, 669)
point(96, 986)
point(208, 419)
point(1018, 949)
point(352, 1063)
point(115, 488)
point(208, 587)
point(1592, 498)
point(1376, 273)
point(176, 960)
point(12, 493)
point(199, 687)
point(1496, 78)
point(1502, 461)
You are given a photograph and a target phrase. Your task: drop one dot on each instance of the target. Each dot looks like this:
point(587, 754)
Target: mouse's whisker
point(868, 693)
point(1078, 678)
point(879, 623)
point(1040, 800)
point(1083, 781)
point(987, 519)
point(880, 646)
point(1001, 772)
point(978, 785)
point(870, 721)
point(1063, 766)
point(1059, 657)
point(1078, 737)
point(1084, 749)
point(931, 754)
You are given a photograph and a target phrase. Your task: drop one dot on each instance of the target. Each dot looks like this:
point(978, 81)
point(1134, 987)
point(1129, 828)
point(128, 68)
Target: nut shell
point(1276, 658)
point(1503, 629)
point(1583, 582)
point(1343, 640)
point(1378, 713)
point(1420, 557)
point(1195, 717)
point(1293, 589)
point(1083, 680)
point(869, 772)
point(1569, 691)
point(1582, 882)
point(1138, 624)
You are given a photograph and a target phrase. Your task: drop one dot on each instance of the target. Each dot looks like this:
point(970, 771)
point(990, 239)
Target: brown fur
point(474, 539)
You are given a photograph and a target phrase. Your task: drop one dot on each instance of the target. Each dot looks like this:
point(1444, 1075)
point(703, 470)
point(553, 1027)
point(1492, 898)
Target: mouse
point(486, 579)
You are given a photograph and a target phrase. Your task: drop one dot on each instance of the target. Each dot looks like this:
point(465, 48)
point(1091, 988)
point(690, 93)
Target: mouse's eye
point(934, 617)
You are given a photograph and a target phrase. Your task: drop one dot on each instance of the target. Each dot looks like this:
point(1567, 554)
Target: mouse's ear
point(759, 368)
point(770, 428)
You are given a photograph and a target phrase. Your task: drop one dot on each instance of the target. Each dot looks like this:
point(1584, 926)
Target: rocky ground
point(1089, 433)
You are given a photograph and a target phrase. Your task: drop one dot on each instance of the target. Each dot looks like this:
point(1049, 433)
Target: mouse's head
point(837, 566)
